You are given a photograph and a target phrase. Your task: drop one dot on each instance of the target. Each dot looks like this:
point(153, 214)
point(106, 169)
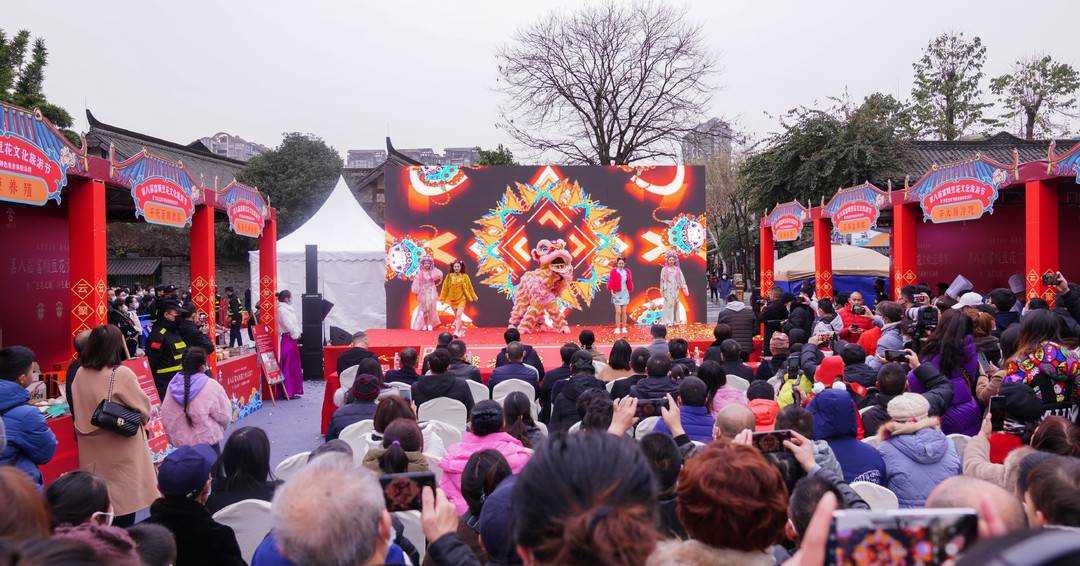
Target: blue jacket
point(918, 457)
point(696, 421)
point(834, 422)
point(30, 443)
point(268, 554)
point(514, 370)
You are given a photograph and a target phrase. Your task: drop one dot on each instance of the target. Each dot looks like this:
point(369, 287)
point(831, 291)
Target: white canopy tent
point(352, 260)
point(846, 260)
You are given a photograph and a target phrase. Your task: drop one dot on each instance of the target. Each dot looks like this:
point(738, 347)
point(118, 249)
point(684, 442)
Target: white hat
point(1016, 283)
point(969, 299)
point(908, 406)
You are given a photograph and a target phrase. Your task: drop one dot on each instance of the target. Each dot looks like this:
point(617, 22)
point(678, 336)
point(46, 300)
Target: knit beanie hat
point(908, 406)
point(365, 388)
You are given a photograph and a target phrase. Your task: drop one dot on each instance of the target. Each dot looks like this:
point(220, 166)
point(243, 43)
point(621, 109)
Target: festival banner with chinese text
point(240, 377)
point(786, 221)
point(855, 209)
point(35, 158)
point(961, 191)
point(264, 346)
point(246, 209)
point(162, 191)
point(155, 429)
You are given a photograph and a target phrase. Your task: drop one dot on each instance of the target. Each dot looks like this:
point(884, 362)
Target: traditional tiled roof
point(133, 265)
point(364, 184)
point(921, 155)
point(206, 167)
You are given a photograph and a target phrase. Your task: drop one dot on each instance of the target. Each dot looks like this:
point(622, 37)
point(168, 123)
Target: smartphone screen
point(997, 413)
point(902, 536)
point(650, 407)
point(402, 491)
point(771, 441)
point(895, 356)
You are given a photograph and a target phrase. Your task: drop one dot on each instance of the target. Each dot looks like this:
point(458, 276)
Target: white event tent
point(352, 260)
point(846, 260)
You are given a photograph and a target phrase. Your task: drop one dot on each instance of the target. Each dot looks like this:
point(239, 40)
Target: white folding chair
point(574, 428)
point(448, 433)
point(289, 466)
point(736, 382)
point(505, 388)
point(445, 409)
point(863, 410)
point(877, 497)
point(609, 385)
point(479, 390)
point(250, 520)
point(358, 437)
point(645, 426)
point(345, 381)
point(542, 427)
point(412, 531)
point(433, 443)
point(872, 440)
point(399, 386)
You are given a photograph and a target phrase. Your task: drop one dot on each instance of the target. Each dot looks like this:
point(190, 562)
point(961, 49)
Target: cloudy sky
point(424, 72)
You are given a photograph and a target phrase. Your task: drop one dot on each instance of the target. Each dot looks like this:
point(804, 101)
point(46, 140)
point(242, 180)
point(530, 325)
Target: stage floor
point(484, 343)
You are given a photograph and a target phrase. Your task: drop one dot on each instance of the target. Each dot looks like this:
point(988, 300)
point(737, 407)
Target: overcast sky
point(424, 72)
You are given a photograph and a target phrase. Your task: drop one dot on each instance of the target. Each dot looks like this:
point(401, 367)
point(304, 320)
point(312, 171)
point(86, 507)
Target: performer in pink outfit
point(289, 360)
point(671, 282)
point(425, 285)
point(620, 283)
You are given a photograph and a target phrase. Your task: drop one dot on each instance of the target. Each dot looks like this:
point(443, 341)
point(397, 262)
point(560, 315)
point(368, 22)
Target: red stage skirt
point(290, 367)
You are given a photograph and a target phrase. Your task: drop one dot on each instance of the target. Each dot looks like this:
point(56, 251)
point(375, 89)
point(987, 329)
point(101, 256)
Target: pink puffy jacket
point(453, 464)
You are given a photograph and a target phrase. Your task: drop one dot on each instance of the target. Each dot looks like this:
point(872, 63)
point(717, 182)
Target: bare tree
point(606, 85)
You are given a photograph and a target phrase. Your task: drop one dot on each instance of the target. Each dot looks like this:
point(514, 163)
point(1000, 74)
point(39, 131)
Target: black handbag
point(116, 417)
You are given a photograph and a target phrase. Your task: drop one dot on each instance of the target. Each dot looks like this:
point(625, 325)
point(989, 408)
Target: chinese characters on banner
point(34, 158)
point(856, 209)
point(240, 377)
point(162, 191)
point(246, 209)
point(962, 191)
point(264, 346)
point(155, 429)
point(786, 221)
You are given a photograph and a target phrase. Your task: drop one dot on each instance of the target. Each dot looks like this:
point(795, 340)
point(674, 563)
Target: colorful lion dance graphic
point(537, 293)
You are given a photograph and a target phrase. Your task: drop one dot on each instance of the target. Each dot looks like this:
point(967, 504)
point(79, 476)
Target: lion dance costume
point(671, 282)
point(424, 286)
point(538, 291)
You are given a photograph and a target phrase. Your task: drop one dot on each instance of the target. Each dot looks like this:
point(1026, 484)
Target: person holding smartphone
point(1008, 426)
point(856, 317)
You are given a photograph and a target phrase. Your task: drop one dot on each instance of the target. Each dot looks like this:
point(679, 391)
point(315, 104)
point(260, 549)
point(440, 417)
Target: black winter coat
point(350, 413)
point(743, 324)
point(654, 388)
point(200, 540)
point(564, 412)
point(531, 358)
point(442, 385)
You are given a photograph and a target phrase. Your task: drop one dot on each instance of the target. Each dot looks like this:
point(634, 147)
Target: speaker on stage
point(314, 310)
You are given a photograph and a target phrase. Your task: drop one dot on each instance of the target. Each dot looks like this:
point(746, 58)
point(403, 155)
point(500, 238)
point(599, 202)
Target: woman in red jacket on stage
point(621, 283)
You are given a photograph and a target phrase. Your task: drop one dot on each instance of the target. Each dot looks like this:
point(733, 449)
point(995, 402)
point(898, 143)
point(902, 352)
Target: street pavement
point(293, 426)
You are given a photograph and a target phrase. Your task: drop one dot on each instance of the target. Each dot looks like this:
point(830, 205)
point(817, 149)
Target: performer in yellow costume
point(457, 291)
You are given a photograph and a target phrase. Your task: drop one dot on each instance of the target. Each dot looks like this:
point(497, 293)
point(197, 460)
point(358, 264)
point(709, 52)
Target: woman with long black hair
point(951, 349)
point(243, 470)
point(196, 409)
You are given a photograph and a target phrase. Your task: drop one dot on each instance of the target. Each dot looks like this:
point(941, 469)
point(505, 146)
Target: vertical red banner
point(905, 244)
point(203, 283)
point(765, 260)
point(268, 277)
point(1040, 238)
point(823, 273)
point(86, 236)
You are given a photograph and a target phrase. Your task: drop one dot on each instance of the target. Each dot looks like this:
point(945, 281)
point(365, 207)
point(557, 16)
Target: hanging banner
point(162, 191)
point(962, 191)
point(786, 221)
point(855, 209)
point(264, 345)
point(245, 207)
point(35, 158)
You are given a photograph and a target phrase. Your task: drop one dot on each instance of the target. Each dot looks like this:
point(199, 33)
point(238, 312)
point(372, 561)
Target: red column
point(1040, 237)
point(268, 275)
point(203, 279)
point(823, 281)
point(86, 244)
point(765, 260)
point(905, 245)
